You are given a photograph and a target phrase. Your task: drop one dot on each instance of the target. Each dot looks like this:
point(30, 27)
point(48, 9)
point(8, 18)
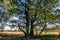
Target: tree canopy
point(32, 13)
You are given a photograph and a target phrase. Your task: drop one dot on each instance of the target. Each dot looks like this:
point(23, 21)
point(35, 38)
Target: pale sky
point(16, 18)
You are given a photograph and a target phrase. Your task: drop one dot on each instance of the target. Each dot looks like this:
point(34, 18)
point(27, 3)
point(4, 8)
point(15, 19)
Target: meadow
point(50, 35)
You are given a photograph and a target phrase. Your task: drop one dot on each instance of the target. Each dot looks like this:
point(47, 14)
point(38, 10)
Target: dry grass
point(4, 36)
point(13, 32)
point(49, 32)
point(57, 33)
point(21, 33)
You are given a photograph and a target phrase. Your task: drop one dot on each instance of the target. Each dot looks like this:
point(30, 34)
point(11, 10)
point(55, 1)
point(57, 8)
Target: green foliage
point(34, 10)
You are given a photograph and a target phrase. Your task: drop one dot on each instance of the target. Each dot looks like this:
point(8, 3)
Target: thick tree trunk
point(27, 19)
point(27, 26)
point(31, 30)
point(27, 16)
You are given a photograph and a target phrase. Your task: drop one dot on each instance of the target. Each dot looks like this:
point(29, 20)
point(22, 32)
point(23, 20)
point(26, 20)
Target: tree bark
point(27, 16)
point(31, 30)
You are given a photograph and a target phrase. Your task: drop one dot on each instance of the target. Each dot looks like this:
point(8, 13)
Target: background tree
point(31, 13)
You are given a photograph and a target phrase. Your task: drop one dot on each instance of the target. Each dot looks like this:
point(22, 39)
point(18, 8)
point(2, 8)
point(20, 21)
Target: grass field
point(17, 36)
point(21, 33)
